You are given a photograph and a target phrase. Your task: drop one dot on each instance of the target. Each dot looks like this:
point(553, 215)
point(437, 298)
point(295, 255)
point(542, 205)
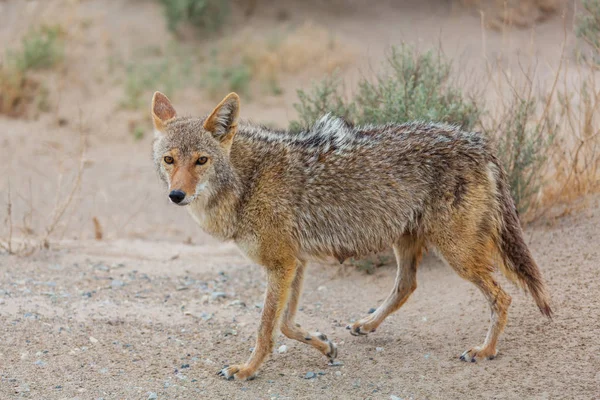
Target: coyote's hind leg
point(473, 263)
point(408, 252)
point(294, 331)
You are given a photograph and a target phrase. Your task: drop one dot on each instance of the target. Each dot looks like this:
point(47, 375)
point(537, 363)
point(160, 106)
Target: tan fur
point(342, 191)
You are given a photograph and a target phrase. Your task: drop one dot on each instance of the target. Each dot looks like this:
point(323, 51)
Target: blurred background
point(76, 79)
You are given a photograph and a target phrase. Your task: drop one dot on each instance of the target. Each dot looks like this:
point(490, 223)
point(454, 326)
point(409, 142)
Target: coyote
point(341, 191)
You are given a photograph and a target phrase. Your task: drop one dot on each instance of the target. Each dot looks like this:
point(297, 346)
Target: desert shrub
point(522, 146)
point(413, 86)
point(202, 14)
point(40, 48)
point(588, 24)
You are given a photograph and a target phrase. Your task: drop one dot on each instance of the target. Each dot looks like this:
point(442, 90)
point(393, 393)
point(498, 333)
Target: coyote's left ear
point(222, 122)
point(162, 112)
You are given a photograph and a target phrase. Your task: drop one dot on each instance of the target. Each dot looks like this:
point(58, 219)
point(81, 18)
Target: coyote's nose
point(177, 196)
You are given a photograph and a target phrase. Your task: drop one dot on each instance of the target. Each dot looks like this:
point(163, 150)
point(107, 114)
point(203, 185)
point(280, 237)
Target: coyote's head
point(191, 154)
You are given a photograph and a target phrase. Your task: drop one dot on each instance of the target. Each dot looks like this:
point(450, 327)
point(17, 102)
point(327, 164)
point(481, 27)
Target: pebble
point(310, 375)
point(335, 364)
point(282, 349)
point(2, 301)
point(93, 339)
point(379, 349)
point(152, 396)
point(115, 284)
point(218, 295)
point(372, 310)
point(40, 363)
point(392, 397)
point(338, 373)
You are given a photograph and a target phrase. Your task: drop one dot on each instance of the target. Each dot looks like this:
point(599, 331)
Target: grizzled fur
point(342, 191)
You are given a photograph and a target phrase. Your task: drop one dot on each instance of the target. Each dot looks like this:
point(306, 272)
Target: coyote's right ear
point(222, 122)
point(162, 112)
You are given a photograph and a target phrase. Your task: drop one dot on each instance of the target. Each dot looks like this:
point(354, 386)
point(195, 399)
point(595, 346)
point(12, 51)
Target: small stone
point(185, 366)
point(335, 363)
point(379, 349)
point(2, 301)
point(93, 339)
point(218, 295)
point(321, 373)
point(322, 288)
point(103, 370)
point(310, 375)
point(86, 294)
point(372, 310)
point(338, 373)
point(116, 284)
point(282, 349)
point(152, 396)
point(40, 363)
point(392, 397)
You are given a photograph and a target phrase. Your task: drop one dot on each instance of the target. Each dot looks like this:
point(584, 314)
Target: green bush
point(523, 143)
point(202, 14)
point(40, 49)
point(412, 87)
point(588, 24)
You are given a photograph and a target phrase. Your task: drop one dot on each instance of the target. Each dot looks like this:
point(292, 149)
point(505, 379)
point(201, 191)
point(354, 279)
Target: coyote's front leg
point(279, 281)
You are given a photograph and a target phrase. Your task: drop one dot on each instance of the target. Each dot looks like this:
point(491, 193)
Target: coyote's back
point(344, 191)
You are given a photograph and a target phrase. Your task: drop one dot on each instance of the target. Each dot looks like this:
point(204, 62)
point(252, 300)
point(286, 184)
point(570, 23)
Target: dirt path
point(126, 319)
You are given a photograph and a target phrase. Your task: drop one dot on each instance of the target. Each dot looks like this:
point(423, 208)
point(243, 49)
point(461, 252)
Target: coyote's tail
point(517, 263)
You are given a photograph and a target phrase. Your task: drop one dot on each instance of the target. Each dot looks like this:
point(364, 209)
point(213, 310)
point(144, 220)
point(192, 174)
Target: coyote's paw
point(238, 372)
point(362, 327)
point(479, 352)
point(332, 351)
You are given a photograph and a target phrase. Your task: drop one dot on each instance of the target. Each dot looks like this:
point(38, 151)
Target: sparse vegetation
point(417, 86)
point(41, 48)
point(206, 15)
point(412, 87)
point(255, 63)
point(588, 26)
point(148, 73)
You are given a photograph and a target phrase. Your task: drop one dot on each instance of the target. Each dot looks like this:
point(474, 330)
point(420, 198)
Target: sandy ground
point(159, 307)
point(125, 319)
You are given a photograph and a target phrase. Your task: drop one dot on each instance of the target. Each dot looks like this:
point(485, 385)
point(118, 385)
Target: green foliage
point(40, 49)
point(523, 144)
point(588, 24)
point(412, 87)
point(202, 14)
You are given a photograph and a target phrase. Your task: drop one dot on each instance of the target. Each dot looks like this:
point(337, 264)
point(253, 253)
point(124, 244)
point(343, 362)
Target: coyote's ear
point(222, 122)
point(162, 112)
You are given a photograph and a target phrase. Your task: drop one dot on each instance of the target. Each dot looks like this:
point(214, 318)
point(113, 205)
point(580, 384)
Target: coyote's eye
point(202, 160)
point(168, 159)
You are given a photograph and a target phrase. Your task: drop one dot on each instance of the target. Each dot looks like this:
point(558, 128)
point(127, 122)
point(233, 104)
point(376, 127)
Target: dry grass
point(518, 13)
point(67, 192)
point(266, 59)
point(560, 128)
